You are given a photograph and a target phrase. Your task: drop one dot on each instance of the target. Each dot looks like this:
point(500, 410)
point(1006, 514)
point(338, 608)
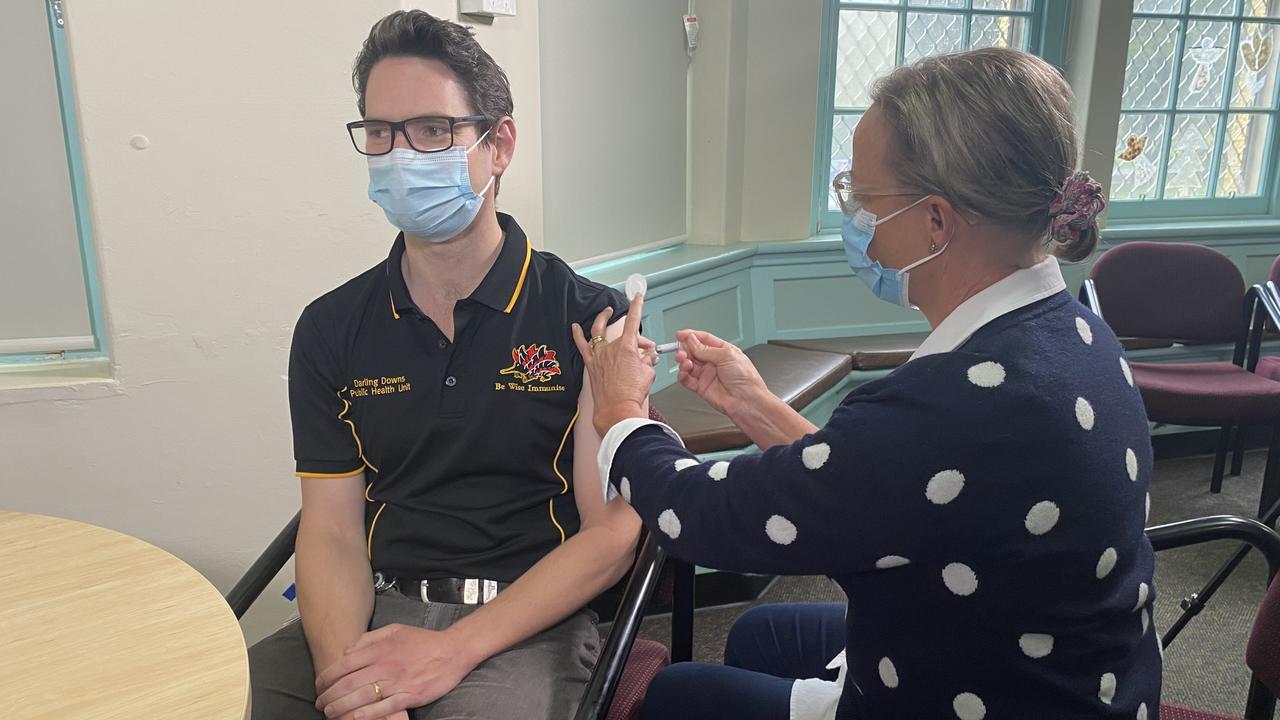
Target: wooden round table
point(96, 624)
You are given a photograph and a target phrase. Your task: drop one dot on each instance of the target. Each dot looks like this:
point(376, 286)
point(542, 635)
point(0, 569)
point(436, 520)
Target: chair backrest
point(1180, 291)
point(1263, 653)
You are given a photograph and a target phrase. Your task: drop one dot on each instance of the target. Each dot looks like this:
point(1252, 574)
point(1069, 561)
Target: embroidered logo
point(533, 362)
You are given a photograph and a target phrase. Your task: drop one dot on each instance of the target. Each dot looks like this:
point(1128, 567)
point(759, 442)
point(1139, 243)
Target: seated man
point(453, 526)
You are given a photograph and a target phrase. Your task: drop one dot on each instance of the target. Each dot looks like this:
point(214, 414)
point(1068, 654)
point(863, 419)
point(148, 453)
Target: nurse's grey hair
point(993, 132)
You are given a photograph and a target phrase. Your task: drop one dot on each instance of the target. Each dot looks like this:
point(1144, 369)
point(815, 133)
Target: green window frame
point(1038, 26)
point(1196, 139)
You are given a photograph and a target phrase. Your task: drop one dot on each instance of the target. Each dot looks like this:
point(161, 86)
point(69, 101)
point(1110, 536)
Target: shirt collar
point(1018, 290)
point(500, 288)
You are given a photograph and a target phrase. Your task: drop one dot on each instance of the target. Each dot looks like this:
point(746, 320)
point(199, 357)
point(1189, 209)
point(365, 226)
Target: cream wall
point(753, 120)
point(248, 203)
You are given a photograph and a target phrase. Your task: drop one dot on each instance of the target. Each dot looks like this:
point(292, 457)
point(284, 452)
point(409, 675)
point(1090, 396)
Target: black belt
point(455, 591)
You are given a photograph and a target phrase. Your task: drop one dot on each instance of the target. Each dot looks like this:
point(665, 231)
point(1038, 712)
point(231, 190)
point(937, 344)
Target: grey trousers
point(540, 678)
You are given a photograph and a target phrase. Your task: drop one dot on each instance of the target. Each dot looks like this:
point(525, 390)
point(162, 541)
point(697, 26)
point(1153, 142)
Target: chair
point(1192, 294)
point(1269, 366)
point(626, 664)
point(1263, 652)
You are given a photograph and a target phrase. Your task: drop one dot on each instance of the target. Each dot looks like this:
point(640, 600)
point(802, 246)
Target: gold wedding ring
point(377, 691)
point(596, 341)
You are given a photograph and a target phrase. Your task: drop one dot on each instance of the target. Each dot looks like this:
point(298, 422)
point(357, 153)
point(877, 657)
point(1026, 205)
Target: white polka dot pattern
point(1036, 645)
point(944, 487)
point(987, 374)
point(1128, 372)
point(1146, 621)
point(815, 456)
point(1131, 464)
point(685, 464)
point(960, 579)
point(968, 706)
point(891, 561)
point(780, 530)
point(719, 471)
point(669, 523)
point(1142, 595)
point(1084, 413)
point(1086, 332)
point(1142, 712)
point(1107, 688)
point(625, 489)
point(1148, 515)
point(1042, 517)
point(888, 673)
point(1106, 562)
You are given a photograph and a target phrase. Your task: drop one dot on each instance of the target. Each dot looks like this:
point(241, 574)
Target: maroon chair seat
point(1216, 393)
point(1269, 367)
point(646, 659)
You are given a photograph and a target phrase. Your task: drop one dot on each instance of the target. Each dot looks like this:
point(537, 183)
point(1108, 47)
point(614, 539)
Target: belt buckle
point(490, 590)
point(471, 591)
point(422, 590)
point(380, 582)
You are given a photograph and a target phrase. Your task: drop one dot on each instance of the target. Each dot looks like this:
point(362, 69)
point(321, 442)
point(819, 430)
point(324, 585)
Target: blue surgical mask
point(427, 195)
point(889, 285)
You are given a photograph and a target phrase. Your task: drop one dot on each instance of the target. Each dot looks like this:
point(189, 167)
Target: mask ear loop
point(491, 177)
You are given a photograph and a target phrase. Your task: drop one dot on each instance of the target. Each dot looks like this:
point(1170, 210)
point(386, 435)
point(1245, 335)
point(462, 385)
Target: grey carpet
point(1203, 668)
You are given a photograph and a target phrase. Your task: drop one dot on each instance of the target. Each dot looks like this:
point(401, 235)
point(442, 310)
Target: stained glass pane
point(998, 31)
point(1255, 80)
point(1191, 156)
point(1157, 6)
point(1204, 63)
point(1148, 75)
point(865, 51)
point(1242, 167)
point(933, 34)
point(1136, 172)
point(1000, 4)
point(1213, 7)
point(1262, 8)
point(841, 150)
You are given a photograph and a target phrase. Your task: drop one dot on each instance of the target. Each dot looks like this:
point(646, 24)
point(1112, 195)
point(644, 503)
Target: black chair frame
point(603, 683)
point(1260, 703)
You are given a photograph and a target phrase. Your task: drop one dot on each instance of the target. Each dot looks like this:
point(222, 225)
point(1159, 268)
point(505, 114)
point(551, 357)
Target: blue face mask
point(889, 285)
point(427, 195)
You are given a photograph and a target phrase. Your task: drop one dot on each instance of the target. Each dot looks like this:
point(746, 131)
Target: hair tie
point(1076, 206)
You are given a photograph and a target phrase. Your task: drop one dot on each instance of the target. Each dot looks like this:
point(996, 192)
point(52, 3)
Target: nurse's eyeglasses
point(847, 196)
point(426, 134)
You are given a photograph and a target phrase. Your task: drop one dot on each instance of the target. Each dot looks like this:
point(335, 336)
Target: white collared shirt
point(1017, 290)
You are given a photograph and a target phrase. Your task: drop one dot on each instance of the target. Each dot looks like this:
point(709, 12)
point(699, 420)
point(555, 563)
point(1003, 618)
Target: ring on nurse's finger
point(596, 341)
point(377, 691)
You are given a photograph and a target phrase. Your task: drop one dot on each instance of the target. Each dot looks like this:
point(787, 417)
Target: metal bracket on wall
point(56, 7)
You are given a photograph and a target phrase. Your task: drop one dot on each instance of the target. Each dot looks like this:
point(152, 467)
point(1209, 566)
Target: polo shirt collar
point(1017, 290)
point(500, 288)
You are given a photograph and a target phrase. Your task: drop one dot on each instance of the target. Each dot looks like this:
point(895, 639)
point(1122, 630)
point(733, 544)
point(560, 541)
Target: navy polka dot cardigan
point(983, 510)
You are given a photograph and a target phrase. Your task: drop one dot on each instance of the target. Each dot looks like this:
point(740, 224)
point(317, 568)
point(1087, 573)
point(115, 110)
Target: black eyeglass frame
point(400, 128)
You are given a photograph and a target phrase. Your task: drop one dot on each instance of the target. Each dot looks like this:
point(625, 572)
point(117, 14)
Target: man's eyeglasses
point(427, 134)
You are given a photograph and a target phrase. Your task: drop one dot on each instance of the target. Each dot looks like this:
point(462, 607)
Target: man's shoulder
point(557, 276)
point(350, 296)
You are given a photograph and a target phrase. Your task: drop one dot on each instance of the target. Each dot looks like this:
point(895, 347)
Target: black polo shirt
point(467, 445)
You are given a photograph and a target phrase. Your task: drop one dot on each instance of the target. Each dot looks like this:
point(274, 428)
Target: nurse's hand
point(718, 372)
point(621, 370)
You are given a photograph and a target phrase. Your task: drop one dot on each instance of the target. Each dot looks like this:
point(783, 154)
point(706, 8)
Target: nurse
point(983, 506)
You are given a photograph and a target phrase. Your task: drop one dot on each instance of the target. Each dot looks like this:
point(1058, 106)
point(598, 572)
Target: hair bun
point(1074, 214)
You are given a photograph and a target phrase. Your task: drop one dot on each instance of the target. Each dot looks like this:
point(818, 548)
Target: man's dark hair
point(414, 33)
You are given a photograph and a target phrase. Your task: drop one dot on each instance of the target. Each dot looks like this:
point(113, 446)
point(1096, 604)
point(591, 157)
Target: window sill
point(1208, 230)
point(58, 380)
